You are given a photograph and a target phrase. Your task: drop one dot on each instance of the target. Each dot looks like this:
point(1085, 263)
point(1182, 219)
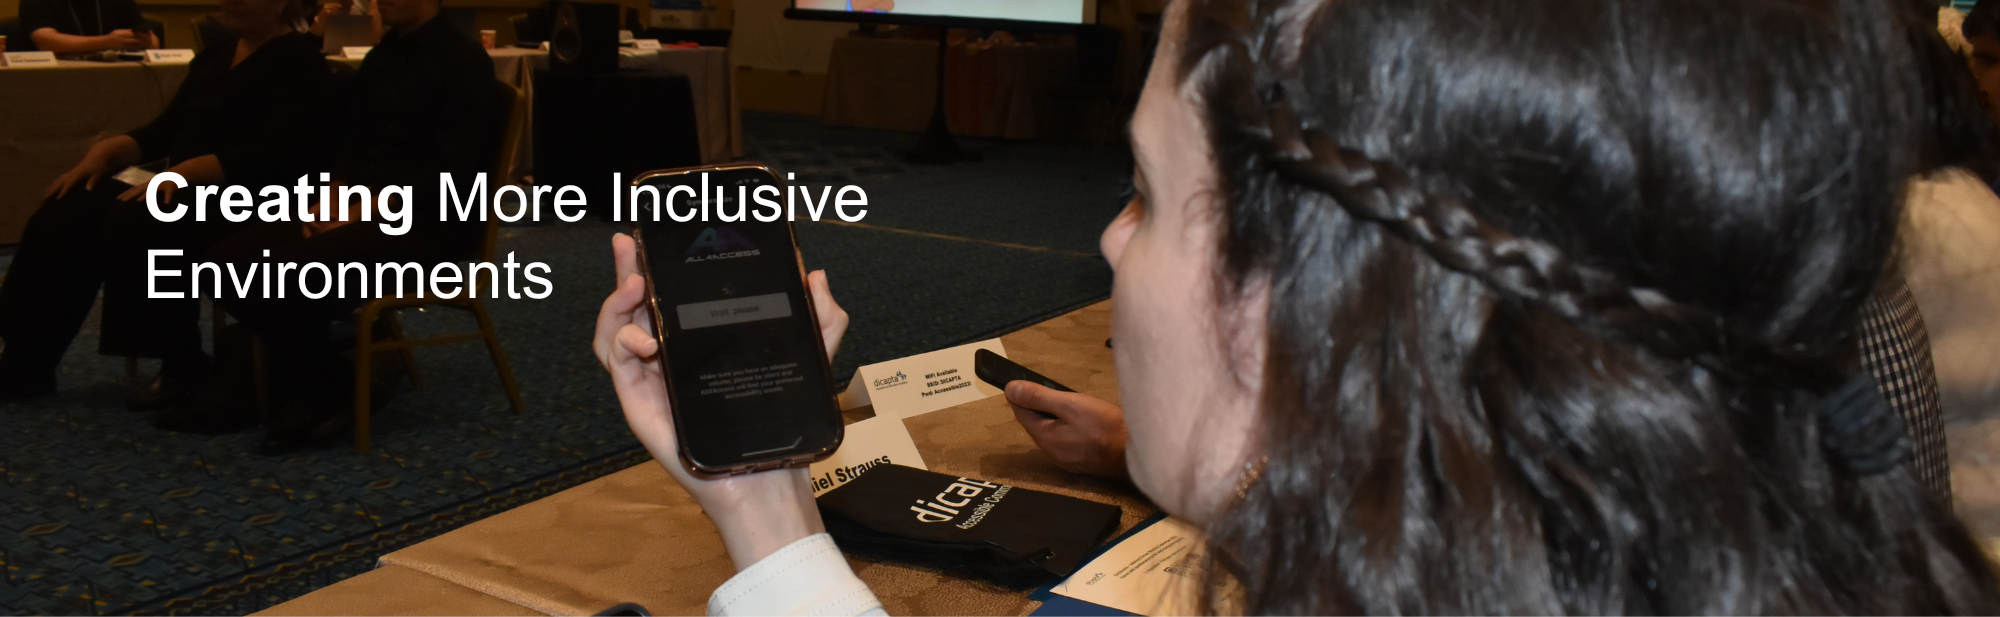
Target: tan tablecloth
point(891, 84)
point(50, 116)
point(635, 536)
point(395, 590)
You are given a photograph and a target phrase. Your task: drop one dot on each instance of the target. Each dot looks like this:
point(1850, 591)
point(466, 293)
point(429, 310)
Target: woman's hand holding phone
point(1080, 433)
point(757, 513)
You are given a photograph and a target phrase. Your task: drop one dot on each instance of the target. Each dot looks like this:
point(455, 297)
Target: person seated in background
point(423, 103)
point(233, 121)
point(86, 26)
point(1557, 318)
point(1981, 29)
point(1952, 224)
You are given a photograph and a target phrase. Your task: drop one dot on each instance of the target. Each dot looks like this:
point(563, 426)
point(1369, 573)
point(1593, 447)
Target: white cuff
point(807, 577)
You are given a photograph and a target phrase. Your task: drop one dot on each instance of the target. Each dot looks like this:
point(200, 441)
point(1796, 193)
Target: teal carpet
point(102, 514)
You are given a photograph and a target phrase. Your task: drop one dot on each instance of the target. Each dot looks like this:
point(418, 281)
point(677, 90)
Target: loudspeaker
point(584, 38)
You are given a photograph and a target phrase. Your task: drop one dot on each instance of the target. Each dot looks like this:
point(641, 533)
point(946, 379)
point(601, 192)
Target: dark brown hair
point(1559, 291)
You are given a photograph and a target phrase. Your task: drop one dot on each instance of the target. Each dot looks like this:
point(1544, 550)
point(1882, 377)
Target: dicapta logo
point(893, 380)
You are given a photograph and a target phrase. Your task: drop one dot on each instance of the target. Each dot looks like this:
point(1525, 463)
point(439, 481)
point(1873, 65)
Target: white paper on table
point(923, 383)
point(1156, 571)
point(870, 442)
point(134, 176)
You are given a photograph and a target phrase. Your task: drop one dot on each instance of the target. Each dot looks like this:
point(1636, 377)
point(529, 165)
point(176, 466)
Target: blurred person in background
point(233, 121)
point(86, 26)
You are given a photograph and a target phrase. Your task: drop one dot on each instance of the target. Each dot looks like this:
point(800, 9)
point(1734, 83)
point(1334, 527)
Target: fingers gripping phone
point(740, 344)
point(998, 371)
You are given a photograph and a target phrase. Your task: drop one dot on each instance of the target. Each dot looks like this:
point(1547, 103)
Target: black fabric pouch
point(971, 527)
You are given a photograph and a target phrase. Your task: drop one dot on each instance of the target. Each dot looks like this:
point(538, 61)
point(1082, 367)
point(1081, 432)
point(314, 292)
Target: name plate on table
point(646, 44)
point(868, 443)
point(169, 56)
point(354, 53)
point(21, 59)
point(922, 383)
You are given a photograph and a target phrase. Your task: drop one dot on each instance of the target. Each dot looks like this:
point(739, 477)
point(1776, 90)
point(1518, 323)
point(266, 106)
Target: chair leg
point(257, 375)
point(499, 355)
point(409, 359)
point(364, 355)
point(218, 319)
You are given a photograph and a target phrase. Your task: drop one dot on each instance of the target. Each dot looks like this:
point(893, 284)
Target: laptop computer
point(347, 31)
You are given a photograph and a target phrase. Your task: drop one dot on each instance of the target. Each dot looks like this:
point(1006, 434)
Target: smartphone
point(996, 370)
point(740, 345)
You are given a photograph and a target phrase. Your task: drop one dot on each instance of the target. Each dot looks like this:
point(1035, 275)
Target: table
point(52, 115)
point(76, 103)
point(635, 536)
point(887, 83)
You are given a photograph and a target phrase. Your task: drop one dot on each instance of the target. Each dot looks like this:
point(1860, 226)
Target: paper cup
point(486, 38)
point(3, 42)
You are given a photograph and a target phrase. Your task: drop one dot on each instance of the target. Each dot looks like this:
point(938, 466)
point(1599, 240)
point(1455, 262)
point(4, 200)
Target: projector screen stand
point(935, 145)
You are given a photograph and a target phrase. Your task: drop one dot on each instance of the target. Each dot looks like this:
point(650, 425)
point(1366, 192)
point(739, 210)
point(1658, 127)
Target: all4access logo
point(891, 381)
point(720, 242)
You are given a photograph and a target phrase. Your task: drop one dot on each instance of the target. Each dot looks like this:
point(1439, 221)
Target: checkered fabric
point(1897, 351)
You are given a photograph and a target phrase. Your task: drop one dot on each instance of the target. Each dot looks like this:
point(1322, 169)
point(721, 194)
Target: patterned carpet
point(102, 514)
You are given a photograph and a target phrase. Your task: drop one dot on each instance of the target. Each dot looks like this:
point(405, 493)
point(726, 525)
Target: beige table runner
point(635, 536)
point(393, 590)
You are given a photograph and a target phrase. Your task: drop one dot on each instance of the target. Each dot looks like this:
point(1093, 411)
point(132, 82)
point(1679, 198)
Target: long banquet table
point(635, 536)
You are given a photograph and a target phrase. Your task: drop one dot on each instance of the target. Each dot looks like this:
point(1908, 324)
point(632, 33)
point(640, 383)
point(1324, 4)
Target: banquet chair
point(386, 308)
point(383, 311)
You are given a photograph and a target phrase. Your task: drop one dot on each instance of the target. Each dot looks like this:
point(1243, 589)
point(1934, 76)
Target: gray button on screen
point(733, 311)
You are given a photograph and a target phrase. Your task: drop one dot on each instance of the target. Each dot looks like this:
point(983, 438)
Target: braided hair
point(1563, 306)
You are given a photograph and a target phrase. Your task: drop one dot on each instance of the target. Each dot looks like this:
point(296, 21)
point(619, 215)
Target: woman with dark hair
point(1517, 306)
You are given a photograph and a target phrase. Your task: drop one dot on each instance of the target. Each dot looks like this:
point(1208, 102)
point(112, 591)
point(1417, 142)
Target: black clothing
point(71, 245)
point(425, 102)
point(246, 115)
point(80, 17)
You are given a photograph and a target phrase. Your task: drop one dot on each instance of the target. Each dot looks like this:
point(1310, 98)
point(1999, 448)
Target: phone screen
point(742, 350)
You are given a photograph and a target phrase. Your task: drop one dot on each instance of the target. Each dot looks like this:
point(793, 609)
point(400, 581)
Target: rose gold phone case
point(660, 335)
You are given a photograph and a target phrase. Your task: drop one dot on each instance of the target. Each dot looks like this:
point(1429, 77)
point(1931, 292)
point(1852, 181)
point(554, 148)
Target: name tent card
point(24, 59)
point(169, 56)
point(922, 383)
point(867, 444)
point(646, 44)
point(355, 53)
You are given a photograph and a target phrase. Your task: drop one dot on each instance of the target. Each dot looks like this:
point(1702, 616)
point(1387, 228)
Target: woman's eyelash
point(1126, 191)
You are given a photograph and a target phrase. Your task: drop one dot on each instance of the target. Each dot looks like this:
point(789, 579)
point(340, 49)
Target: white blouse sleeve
point(807, 577)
